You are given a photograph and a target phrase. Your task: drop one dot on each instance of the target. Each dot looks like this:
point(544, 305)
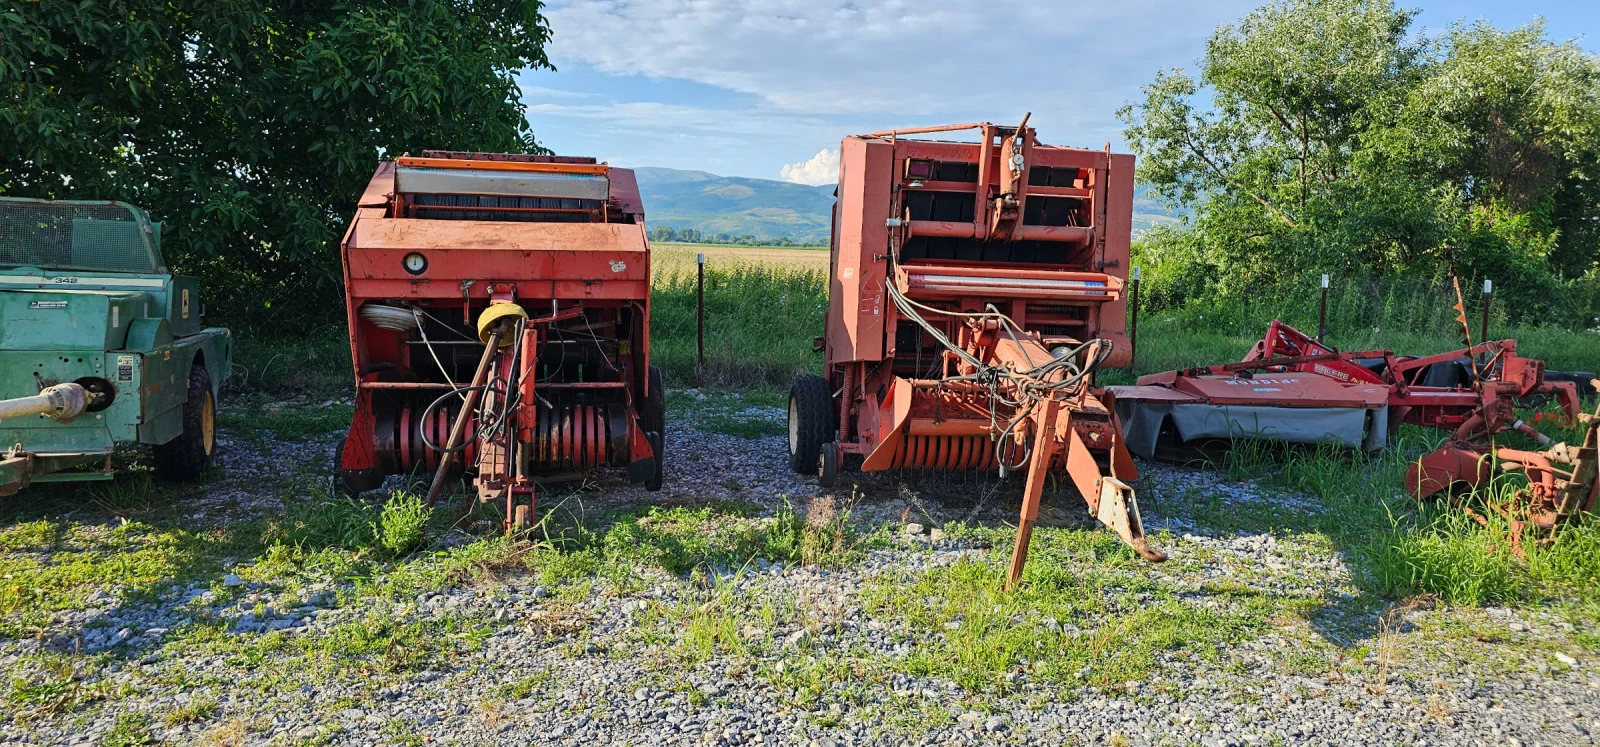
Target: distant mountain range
point(771, 209)
point(735, 205)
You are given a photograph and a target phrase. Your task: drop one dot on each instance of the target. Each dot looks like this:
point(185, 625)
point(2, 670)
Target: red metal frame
point(1040, 234)
point(577, 351)
point(1473, 412)
point(1470, 412)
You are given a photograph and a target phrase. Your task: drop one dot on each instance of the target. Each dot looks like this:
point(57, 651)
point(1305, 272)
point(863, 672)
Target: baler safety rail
point(952, 281)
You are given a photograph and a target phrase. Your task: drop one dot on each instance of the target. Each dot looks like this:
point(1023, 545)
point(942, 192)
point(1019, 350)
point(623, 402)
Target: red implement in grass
point(499, 313)
point(1290, 387)
point(975, 289)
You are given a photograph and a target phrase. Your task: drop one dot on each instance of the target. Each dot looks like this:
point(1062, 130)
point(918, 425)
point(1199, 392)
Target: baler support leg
point(1111, 500)
point(458, 429)
point(1044, 452)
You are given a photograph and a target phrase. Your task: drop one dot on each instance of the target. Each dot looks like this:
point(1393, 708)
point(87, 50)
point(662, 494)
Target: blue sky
point(766, 88)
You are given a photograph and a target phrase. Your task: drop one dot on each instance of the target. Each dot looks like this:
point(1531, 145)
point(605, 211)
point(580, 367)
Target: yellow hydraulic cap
point(491, 316)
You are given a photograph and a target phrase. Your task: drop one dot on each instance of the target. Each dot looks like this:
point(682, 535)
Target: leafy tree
point(1323, 136)
point(251, 126)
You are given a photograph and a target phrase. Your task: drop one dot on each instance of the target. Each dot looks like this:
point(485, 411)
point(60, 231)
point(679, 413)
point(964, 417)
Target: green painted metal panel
point(183, 305)
point(24, 373)
point(67, 319)
point(149, 334)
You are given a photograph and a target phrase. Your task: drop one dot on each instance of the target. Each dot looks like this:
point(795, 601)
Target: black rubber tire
point(653, 415)
point(353, 482)
point(828, 465)
point(188, 455)
point(811, 422)
point(654, 483)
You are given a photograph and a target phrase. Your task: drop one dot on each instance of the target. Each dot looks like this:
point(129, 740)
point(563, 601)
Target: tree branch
point(1189, 143)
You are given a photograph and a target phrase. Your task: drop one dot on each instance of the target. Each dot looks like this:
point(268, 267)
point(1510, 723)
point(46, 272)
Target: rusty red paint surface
point(572, 374)
point(1007, 225)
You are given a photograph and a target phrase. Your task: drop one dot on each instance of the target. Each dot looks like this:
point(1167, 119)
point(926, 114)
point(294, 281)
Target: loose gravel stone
point(590, 665)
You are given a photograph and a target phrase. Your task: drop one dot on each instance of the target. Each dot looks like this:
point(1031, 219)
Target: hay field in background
point(665, 257)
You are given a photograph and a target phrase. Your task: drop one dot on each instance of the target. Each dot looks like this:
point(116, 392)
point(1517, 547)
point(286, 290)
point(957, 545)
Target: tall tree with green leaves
point(251, 126)
point(1325, 136)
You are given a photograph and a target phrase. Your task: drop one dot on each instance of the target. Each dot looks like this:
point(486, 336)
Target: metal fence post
point(1488, 298)
point(1322, 312)
point(700, 313)
point(1133, 321)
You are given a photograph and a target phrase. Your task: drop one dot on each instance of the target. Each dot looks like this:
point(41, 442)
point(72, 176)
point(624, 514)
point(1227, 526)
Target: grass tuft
point(391, 530)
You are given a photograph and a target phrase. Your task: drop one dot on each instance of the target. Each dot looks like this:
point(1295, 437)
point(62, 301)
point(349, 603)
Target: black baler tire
point(187, 455)
point(811, 423)
point(654, 483)
point(653, 417)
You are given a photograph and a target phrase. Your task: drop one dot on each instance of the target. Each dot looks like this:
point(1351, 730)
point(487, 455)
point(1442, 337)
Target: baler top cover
point(571, 224)
point(97, 236)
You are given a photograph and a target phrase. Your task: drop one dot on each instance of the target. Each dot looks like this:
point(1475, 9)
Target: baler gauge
point(415, 263)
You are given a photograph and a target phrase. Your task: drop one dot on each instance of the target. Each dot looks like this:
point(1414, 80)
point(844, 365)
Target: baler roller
point(579, 436)
point(944, 453)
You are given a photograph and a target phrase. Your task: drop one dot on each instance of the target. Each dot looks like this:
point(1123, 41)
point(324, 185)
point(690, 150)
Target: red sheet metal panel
point(856, 297)
point(1113, 260)
point(1284, 390)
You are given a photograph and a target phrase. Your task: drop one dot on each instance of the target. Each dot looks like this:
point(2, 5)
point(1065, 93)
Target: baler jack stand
point(1111, 500)
point(458, 429)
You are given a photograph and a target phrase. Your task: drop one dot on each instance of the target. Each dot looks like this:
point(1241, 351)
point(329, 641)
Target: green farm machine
point(99, 344)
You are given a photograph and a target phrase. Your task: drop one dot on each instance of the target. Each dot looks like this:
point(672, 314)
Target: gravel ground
point(598, 664)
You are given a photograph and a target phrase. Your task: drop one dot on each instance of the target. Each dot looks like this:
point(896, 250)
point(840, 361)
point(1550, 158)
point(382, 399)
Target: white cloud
point(779, 79)
point(822, 168)
point(902, 62)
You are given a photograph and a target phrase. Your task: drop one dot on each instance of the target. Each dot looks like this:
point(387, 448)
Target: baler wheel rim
point(208, 424)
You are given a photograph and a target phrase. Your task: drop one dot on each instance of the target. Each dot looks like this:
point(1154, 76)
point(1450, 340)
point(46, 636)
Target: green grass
point(1407, 317)
point(759, 325)
point(682, 539)
point(49, 683)
point(192, 712)
point(262, 419)
point(1086, 613)
point(130, 729)
point(1404, 547)
point(317, 363)
point(392, 529)
point(53, 565)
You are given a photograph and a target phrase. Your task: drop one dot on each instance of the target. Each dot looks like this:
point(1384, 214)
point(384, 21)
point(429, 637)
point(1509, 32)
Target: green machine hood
point(69, 319)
